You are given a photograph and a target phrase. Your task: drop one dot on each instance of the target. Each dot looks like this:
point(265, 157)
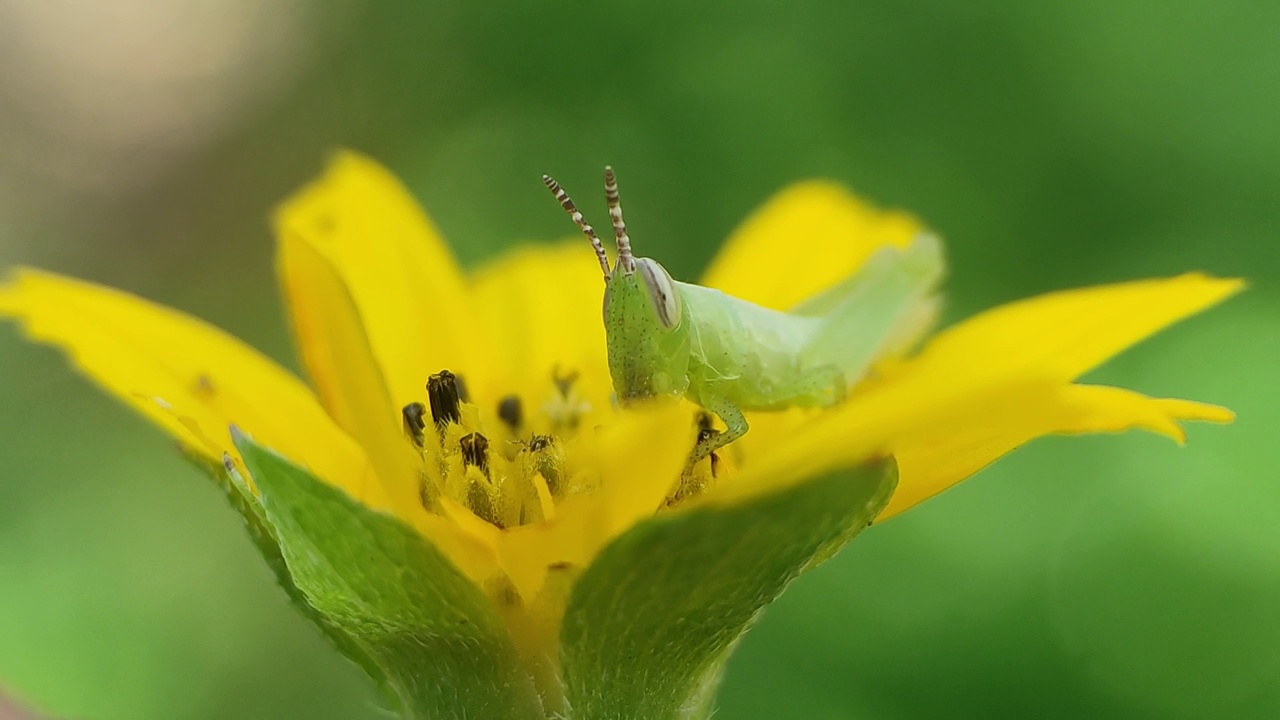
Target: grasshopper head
point(647, 338)
point(646, 335)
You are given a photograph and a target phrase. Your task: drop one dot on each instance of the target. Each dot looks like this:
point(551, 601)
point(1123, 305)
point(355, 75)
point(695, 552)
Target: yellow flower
point(513, 462)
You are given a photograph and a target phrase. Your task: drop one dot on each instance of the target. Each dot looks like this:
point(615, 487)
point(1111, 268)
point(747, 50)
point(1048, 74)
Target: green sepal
point(651, 622)
point(432, 635)
point(246, 504)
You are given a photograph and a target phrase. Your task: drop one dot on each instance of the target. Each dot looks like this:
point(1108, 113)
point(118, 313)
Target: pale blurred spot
point(101, 98)
point(10, 710)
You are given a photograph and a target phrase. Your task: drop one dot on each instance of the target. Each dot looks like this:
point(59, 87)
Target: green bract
point(647, 630)
point(395, 604)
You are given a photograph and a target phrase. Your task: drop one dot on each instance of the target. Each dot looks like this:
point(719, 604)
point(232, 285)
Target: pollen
point(510, 466)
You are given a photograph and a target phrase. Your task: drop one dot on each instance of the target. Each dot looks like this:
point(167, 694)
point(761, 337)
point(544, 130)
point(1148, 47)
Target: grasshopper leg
point(710, 441)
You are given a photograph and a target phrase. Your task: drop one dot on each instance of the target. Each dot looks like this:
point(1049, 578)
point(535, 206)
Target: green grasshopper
point(728, 355)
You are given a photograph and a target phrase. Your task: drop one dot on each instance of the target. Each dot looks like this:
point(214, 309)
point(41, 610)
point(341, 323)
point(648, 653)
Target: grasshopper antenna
point(625, 259)
point(569, 207)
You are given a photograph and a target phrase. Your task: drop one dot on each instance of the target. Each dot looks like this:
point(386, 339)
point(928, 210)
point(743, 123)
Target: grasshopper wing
point(883, 307)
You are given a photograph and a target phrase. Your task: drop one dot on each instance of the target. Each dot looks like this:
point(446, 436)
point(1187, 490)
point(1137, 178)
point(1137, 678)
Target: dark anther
point(463, 395)
point(443, 394)
point(415, 422)
point(510, 411)
point(538, 443)
point(564, 383)
point(475, 451)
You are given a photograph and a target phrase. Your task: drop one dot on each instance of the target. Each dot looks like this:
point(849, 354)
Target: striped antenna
point(625, 259)
point(569, 207)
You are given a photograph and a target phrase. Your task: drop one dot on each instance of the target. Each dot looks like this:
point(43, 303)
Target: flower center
point(514, 469)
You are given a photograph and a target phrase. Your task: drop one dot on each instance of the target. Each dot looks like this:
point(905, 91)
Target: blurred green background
point(1053, 144)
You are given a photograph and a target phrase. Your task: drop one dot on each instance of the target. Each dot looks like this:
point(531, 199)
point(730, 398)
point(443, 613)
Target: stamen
point(564, 383)
point(566, 409)
point(475, 452)
point(427, 491)
point(482, 505)
point(414, 415)
point(511, 412)
point(444, 396)
point(546, 461)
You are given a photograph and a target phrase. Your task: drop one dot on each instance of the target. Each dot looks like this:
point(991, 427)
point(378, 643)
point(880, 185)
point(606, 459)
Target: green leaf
point(651, 622)
point(435, 637)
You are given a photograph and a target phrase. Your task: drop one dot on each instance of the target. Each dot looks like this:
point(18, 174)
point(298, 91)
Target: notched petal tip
point(1178, 411)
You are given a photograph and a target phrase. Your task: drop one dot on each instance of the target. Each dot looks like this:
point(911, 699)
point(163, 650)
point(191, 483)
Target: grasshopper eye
point(662, 291)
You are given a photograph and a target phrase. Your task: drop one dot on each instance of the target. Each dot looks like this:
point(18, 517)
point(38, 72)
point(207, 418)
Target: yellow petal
point(545, 302)
point(640, 459)
point(401, 275)
point(1065, 334)
point(940, 438)
point(1000, 358)
point(802, 241)
point(934, 458)
point(470, 543)
point(183, 374)
point(336, 353)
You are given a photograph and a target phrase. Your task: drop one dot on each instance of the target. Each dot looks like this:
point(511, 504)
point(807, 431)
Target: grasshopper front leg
point(710, 440)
